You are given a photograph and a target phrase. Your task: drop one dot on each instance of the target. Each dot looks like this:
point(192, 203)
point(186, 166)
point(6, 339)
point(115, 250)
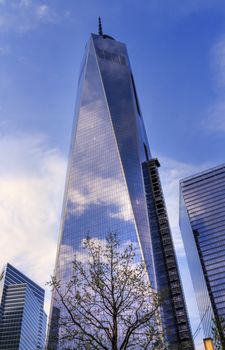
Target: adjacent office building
point(202, 223)
point(113, 182)
point(22, 318)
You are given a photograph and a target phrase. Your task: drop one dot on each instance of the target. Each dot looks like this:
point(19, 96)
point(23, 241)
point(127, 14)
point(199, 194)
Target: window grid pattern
point(22, 318)
point(167, 274)
point(203, 196)
point(105, 188)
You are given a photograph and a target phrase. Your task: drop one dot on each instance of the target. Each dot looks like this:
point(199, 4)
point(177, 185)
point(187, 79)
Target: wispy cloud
point(4, 50)
point(215, 120)
point(171, 173)
point(42, 11)
point(183, 7)
point(215, 116)
point(218, 62)
point(175, 10)
point(46, 14)
point(31, 185)
point(25, 3)
point(25, 15)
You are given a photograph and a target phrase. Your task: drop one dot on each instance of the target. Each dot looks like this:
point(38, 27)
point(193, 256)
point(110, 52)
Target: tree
point(108, 303)
point(218, 328)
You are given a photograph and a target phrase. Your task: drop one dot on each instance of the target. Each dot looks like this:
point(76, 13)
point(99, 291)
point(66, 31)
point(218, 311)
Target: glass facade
point(202, 222)
point(105, 188)
point(22, 318)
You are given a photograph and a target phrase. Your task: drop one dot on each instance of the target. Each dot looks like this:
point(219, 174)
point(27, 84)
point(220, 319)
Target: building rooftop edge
point(201, 173)
point(28, 278)
point(104, 36)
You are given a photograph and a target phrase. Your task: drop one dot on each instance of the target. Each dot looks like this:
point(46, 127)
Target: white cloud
point(46, 14)
point(31, 184)
point(101, 191)
point(42, 11)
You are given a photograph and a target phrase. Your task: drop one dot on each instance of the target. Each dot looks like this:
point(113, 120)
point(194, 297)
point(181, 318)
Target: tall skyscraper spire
point(100, 32)
point(113, 182)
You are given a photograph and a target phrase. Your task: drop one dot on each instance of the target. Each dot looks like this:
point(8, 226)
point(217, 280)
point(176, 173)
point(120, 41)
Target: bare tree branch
point(108, 302)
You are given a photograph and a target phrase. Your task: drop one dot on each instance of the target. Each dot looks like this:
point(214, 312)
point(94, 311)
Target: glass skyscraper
point(110, 183)
point(202, 222)
point(22, 318)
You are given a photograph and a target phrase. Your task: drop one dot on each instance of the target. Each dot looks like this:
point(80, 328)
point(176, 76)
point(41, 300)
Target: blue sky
point(177, 52)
